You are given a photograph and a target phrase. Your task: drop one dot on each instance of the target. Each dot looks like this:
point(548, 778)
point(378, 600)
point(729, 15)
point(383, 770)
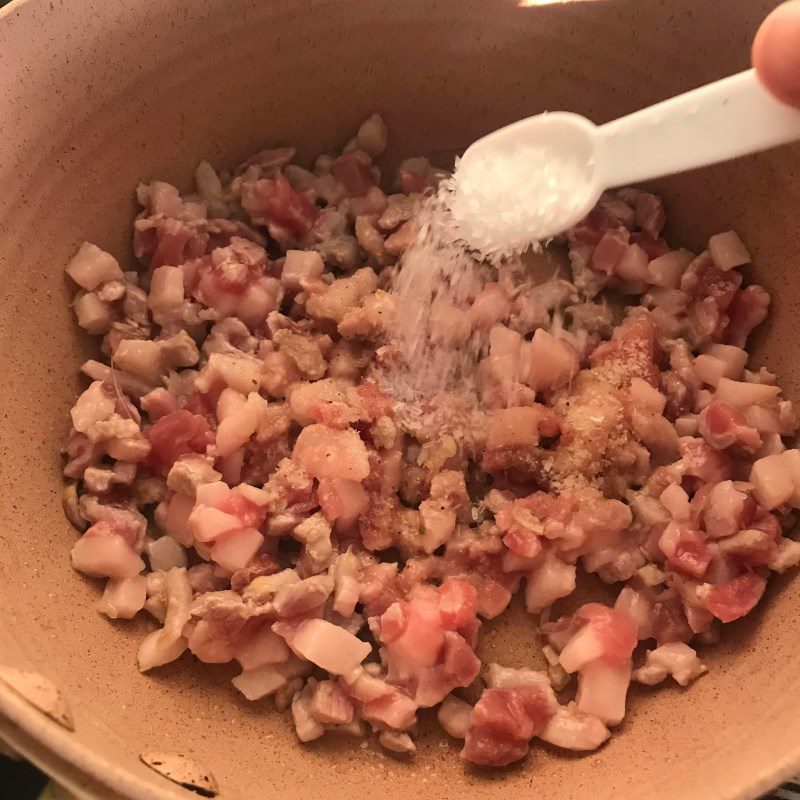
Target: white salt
point(502, 205)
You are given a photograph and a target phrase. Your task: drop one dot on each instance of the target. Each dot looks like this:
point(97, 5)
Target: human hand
point(776, 53)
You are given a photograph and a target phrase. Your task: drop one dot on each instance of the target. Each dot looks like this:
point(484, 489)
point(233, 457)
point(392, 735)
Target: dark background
point(18, 780)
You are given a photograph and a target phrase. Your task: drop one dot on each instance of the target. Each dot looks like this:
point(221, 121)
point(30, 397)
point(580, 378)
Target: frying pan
point(97, 96)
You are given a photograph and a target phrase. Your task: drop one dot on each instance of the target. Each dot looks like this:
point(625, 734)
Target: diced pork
point(260, 412)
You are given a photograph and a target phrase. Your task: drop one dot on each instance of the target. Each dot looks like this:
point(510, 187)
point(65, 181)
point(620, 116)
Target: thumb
point(776, 53)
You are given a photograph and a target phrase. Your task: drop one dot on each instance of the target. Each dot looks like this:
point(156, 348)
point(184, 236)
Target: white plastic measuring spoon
point(727, 119)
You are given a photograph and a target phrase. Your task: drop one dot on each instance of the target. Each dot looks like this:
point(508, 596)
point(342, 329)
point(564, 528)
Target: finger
point(776, 53)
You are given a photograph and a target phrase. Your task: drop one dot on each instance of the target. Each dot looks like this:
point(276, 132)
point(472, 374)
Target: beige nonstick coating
point(95, 96)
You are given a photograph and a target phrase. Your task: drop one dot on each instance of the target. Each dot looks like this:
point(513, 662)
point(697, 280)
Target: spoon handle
point(727, 119)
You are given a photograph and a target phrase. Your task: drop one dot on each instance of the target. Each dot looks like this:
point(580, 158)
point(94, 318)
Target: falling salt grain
point(480, 220)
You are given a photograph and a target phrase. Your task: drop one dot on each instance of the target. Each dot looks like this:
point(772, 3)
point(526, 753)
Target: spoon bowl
point(570, 144)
